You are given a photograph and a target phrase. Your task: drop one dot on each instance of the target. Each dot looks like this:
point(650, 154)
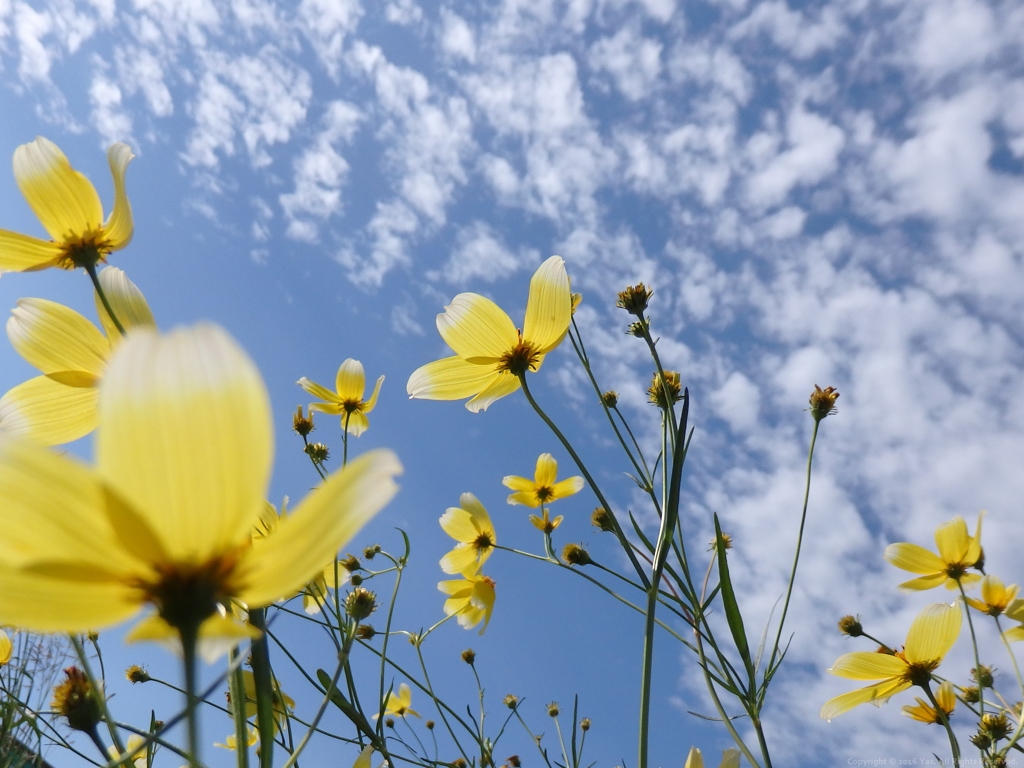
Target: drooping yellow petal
point(974, 548)
point(217, 635)
point(369, 404)
point(63, 199)
point(58, 341)
point(914, 558)
point(504, 383)
point(48, 412)
point(363, 761)
point(546, 471)
point(186, 439)
point(864, 665)
point(321, 524)
point(476, 328)
point(21, 253)
point(119, 226)
point(933, 633)
point(351, 380)
point(451, 378)
point(549, 306)
point(318, 390)
point(927, 582)
point(127, 301)
point(952, 540)
point(847, 701)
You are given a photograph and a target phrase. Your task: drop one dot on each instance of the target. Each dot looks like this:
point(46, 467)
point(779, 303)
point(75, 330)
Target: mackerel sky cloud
point(820, 193)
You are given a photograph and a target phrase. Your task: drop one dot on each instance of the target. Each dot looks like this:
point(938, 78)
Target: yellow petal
point(524, 498)
point(58, 341)
point(847, 701)
point(568, 487)
point(351, 380)
point(6, 648)
point(933, 633)
point(502, 384)
point(20, 253)
point(461, 559)
point(730, 758)
point(318, 390)
point(927, 582)
point(1014, 634)
point(355, 423)
point(450, 378)
point(695, 759)
point(325, 521)
point(458, 524)
point(48, 412)
point(916, 559)
point(127, 301)
point(119, 226)
point(974, 548)
point(185, 437)
point(946, 697)
point(475, 327)
point(546, 471)
point(369, 404)
point(217, 635)
point(363, 761)
point(549, 307)
point(64, 200)
point(516, 483)
point(864, 665)
point(952, 540)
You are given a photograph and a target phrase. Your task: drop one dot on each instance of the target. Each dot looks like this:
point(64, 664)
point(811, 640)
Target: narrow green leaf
point(732, 608)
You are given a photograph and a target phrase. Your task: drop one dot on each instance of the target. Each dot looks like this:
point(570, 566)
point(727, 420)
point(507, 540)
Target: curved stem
point(953, 744)
point(91, 271)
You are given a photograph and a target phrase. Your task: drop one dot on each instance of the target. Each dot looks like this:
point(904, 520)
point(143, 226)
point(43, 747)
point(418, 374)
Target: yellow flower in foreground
point(958, 551)
point(69, 209)
point(931, 635)
point(347, 401)
point(924, 712)
point(399, 704)
point(471, 599)
point(490, 354)
point(542, 489)
point(730, 759)
point(6, 648)
point(470, 525)
point(60, 405)
point(995, 596)
point(134, 748)
point(165, 518)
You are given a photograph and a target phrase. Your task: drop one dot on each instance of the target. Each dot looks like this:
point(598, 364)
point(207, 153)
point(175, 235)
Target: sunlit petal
point(185, 437)
point(927, 582)
point(952, 540)
point(567, 487)
point(933, 633)
point(20, 253)
point(847, 701)
point(368, 406)
point(355, 422)
point(48, 412)
point(474, 326)
point(694, 759)
point(517, 483)
point(524, 498)
point(549, 307)
point(127, 301)
point(119, 226)
point(58, 341)
point(863, 665)
point(913, 558)
point(450, 378)
point(503, 384)
point(461, 559)
point(546, 471)
point(63, 199)
point(318, 390)
point(351, 380)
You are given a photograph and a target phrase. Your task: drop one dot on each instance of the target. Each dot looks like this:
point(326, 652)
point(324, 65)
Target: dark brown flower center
point(85, 250)
point(521, 358)
point(186, 595)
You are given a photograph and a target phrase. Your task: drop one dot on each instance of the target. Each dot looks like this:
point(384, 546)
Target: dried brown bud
point(574, 554)
point(318, 452)
point(365, 631)
point(983, 676)
point(553, 709)
point(78, 701)
point(469, 656)
point(360, 603)
point(601, 519)
point(511, 701)
point(585, 724)
point(634, 299)
point(610, 398)
point(850, 625)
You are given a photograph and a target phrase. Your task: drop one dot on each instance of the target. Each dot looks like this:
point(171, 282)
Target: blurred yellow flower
point(471, 599)
point(730, 759)
point(931, 635)
point(135, 748)
point(363, 761)
point(542, 489)
point(1015, 612)
point(231, 741)
point(60, 405)
point(165, 518)
point(490, 354)
point(347, 401)
point(399, 704)
point(6, 648)
point(924, 712)
point(995, 596)
point(470, 525)
point(66, 204)
point(283, 703)
point(958, 551)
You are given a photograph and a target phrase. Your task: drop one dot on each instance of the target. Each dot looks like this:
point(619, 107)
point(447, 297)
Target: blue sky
point(820, 193)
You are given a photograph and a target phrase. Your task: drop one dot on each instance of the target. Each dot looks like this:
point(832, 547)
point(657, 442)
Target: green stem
point(953, 744)
point(342, 661)
point(263, 681)
point(974, 646)
point(189, 640)
point(91, 271)
point(97, 686)
point(236, 689)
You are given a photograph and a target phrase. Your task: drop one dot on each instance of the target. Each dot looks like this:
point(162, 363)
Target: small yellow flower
point(958, 551)
point(284, 705)
point(931, 635)
point(66, 204)
point(231, 741)
point(730, 759)
point(72, 354)
point(135, 748)
point(6, 648)
point(542, 489)
point(995, 596)
point(823, 402)
point(470, 525)
point(399, 704)
point(545, 523)
point(1015, 612)
point(664, 392)
point(470, 598)
point(924, 712)
point(490, 354)
point(165, 518)
point(347, 401)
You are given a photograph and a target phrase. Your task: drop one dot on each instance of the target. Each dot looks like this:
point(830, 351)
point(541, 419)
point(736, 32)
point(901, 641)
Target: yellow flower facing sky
point(66, 204)
point(490, 353)
point(165, 517)
point(958, 551)
point(470, 525)
point(996, 597)
point(930, 638)
point(60, 406)
point(347, 401)
point(543, 489)
point(471, 599)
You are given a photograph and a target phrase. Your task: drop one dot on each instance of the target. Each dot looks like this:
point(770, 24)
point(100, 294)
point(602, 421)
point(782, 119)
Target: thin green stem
point(236, 690)
point(953, 744)
point(91, 271)
point(974, 647)
point(342, 662)
point(263, 681)
point(97, 686)
point(189, 640)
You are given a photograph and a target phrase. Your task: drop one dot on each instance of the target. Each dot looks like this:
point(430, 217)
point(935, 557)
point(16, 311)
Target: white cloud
point(403, 12)
point(326, 24)
point(737, 402)
point(480, 253)
point(954, 34)
point(633, 61)
point(457, 38)
point(791, 30)
point(108, 116)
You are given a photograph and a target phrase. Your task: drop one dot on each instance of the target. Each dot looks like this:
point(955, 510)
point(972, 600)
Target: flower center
point(84, 250)
point(521, 358)
point(352, 406)
point(544, 493)
point(483, 542)
point(186, 594)
point(920, 673)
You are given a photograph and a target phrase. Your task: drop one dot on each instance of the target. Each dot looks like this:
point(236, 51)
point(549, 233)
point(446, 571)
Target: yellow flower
point(958, 551)
point(231, 740)
point(135, 748)
point(470, 525)
point(60, 405)
point(1015, 612)
point(347, 401)
point(490, 354)
point(924, 712)
point(66, 204)
point(165, 518)
point(542, 489)
point(399, 704)
point(283, 703)
point(363, 761)
point(995, 596)
point(730, 759)
point(470, 598)
point(545, 523)
point(6, 648)
point(931, 635)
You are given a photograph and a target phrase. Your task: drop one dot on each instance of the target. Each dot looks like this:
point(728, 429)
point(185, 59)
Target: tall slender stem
point(189, 640)
point(91, 271)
